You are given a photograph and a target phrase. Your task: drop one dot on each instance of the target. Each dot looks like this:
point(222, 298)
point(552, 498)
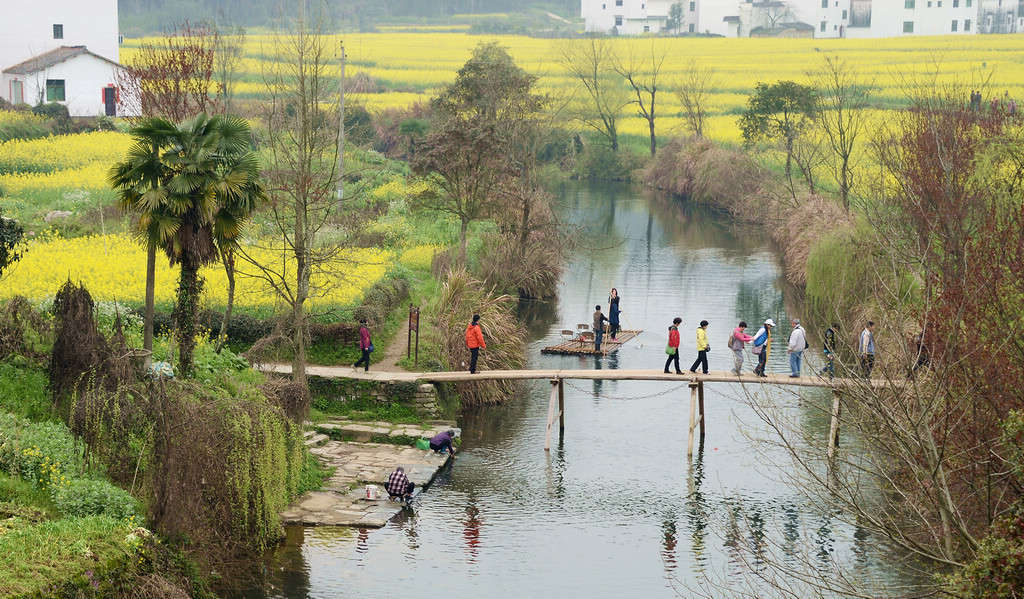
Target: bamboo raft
point(581, 345)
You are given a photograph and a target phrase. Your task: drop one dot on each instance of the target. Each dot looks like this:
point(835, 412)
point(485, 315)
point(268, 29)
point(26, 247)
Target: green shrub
point(58, 112)
point(23, 391)
point(86, 497)
point(599, 162)
point(22, 130)
point(40, 452)
point(52, 558)
point(313, 475)
point(20, 492)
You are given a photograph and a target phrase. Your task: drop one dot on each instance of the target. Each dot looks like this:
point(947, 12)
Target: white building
point(895, 18)
point(625, 17)
point(809, 18)
point(62, 51)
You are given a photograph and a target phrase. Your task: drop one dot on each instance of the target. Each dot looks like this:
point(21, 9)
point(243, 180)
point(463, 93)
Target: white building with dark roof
point(63, 51)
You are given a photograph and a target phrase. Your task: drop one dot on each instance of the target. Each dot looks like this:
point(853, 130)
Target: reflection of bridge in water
point(556, 404)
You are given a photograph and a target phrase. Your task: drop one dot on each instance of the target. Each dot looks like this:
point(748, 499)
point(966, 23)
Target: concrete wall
point(26, 29)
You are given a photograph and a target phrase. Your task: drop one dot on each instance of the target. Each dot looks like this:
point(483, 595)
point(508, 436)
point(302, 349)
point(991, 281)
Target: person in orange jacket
point(475, 342)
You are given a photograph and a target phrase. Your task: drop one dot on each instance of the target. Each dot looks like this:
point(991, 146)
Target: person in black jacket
point(830, 351)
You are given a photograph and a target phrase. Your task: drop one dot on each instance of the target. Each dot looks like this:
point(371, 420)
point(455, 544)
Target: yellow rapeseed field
point(91, 177)
point(58, 152)
point(415, 65)
point(113, 267)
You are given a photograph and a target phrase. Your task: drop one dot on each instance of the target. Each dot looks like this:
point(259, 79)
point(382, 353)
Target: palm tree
point(193, 193)
point(138, 180)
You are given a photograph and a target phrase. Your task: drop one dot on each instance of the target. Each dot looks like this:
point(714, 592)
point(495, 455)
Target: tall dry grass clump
point(704, 172)
point(461, 297)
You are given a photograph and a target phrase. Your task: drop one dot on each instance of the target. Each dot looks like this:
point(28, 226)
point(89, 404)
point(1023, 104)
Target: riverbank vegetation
point(891, 199)
point(930, 250)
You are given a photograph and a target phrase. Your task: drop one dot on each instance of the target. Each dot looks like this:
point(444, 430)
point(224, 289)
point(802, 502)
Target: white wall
point(713, 13)
point(84, 78)
point(635, 15)
point(26, 29)
point(888, 17)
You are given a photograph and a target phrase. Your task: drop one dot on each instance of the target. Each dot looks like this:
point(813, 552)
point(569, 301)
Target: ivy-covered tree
point(779, 112)
point(11, 235)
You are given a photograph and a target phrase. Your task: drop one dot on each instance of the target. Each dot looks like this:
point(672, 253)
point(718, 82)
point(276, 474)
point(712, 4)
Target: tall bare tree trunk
point(147, 333)
point(654, 140)
point(228, 258)
point(302, 267)
point(463, 231)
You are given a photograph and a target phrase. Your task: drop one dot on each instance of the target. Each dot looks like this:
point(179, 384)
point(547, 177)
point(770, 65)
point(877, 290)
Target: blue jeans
point(598, 334)
point(794, 362)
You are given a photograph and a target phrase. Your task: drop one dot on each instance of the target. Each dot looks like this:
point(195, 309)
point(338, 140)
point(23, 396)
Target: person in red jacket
point(475, 342)
point(365, 346)
point(673, 345)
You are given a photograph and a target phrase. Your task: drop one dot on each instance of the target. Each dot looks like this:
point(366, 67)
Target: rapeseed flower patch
point(48, 154)
point(90, 177)
point(113, 268)
point(8, 117)
point(420, 257)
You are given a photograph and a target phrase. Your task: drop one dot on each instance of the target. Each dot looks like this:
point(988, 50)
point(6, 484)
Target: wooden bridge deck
point(556, 403)
point(571, 374)
point(577, 347)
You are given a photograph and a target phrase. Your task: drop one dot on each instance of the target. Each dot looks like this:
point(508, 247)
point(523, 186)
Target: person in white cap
point(762, 346)
point(797, 345)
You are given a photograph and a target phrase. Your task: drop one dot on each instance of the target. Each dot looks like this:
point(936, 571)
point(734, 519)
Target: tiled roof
point(53, 57)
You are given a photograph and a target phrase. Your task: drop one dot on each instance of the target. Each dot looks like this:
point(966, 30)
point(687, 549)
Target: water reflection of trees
point(695, 226)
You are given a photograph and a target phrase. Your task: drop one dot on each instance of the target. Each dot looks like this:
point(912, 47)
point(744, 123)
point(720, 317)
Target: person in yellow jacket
point(703, 347)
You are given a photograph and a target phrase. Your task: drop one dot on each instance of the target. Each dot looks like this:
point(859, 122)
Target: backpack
point(732, 338)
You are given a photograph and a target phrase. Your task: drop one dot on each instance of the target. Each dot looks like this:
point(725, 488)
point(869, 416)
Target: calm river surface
point(616, 509)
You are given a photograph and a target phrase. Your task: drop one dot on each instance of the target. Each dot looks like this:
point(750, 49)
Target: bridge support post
point(693, 419)
point(700, 412)
point(833, 431)
point(561, 408)
point(551, 413)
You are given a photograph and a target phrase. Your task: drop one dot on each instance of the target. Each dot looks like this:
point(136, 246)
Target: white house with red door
point(63, 51)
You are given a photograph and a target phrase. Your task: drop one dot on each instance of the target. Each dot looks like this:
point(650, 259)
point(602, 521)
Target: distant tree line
point(146, 16)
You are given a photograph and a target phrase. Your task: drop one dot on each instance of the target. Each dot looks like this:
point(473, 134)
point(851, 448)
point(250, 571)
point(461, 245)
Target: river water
point(616, 509)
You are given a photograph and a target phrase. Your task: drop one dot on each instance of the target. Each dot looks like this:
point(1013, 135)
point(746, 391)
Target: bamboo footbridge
point(556, 403)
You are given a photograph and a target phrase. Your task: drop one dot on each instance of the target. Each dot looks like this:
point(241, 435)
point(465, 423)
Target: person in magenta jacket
point(737, 342)
point(673, 345)
point(365, 346)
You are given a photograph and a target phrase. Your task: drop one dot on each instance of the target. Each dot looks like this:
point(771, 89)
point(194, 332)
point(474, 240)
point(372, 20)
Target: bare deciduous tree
point(173, 76)
point(842, 102)
point(642, 72)
point(301, 157)
point(694, 93)
point(592, 63)
point(229, 49)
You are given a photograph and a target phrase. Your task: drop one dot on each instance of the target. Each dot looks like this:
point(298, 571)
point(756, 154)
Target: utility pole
point(341, 131)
